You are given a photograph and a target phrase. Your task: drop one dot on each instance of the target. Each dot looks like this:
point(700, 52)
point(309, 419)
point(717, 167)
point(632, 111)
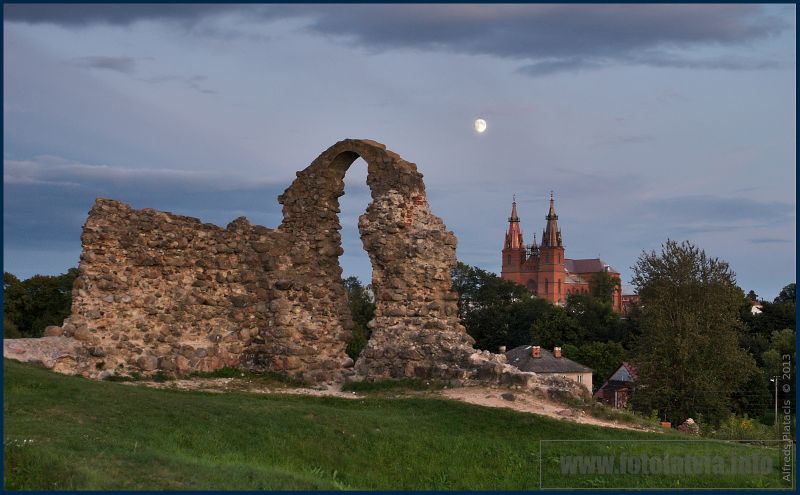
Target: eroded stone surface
point(163, 292)
point(159, 291)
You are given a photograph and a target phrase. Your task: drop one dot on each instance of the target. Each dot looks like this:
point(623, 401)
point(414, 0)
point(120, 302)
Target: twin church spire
point(514, 234)
point(551, 236)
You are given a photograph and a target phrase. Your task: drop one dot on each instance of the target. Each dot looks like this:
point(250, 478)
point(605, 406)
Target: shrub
point(743, 428)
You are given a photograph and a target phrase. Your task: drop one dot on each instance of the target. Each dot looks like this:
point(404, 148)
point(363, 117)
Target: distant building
point(628, 301)
point(540, 361)
point(543, 269)
point(617, 390)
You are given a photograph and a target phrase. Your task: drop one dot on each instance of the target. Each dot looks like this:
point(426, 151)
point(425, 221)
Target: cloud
point(192, 82)
point(626, 139)
point(547, 38)
point(717, 210)
point(129, 66)
point(46, 199)
point(76, 15)
point(57, 171)
point(770, 240)
point(124, 65)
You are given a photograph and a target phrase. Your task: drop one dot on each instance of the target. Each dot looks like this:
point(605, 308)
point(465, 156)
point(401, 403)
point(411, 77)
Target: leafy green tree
point(557, 328)
point(787, 294)
point(494, 311)
point(361, 301)
point(688, 355)
point(10, 330)
point(596, 316)
point(38, 302)
point(603, 357)
point(602, 286)
point(782, 344)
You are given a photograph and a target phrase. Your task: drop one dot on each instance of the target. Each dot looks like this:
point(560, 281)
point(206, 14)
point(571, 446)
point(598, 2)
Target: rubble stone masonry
point(159, 292)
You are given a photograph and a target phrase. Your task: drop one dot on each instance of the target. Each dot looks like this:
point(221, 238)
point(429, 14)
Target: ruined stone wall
point(158, 291)
point(416, 330)
point(163, 292)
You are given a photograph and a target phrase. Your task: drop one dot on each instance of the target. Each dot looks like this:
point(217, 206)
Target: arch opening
point(355, 261)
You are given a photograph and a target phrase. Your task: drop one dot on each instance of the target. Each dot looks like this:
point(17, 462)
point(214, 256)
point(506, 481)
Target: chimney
point(556, 352)
point(502, 349)
point(536, 351)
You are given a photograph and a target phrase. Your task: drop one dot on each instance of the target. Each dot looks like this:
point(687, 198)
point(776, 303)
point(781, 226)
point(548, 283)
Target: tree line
point(31, 305)
point(698, 348)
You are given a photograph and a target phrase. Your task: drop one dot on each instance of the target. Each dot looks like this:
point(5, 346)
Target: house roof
point(547, 363)
point(623, 376)
point(592, 265)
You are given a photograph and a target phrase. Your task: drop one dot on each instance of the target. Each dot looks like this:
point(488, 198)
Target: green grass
point(71, 433)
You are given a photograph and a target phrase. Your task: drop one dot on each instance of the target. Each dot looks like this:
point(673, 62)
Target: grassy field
point(71, 433)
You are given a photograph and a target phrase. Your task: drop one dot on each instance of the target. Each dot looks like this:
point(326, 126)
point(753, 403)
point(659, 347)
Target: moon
point(480, 125)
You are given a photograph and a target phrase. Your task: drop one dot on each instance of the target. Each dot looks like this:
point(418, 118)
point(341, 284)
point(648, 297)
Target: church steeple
point(552, 234)
point(514, 234)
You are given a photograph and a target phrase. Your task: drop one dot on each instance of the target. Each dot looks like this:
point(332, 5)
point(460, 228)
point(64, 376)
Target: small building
point(543, 362)
point(617, 390)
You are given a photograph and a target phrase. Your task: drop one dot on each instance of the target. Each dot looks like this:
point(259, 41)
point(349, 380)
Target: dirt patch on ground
point(482, 396)
point(222, 385)
point(525, 402)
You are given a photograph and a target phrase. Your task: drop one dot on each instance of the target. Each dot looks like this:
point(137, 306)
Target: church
point(543, 269)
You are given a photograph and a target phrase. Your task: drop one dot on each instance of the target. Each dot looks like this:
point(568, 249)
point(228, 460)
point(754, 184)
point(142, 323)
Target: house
point(543, 362)
point(619, 387)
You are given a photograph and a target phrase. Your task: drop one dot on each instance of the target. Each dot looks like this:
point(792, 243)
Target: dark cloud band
point(550, 38)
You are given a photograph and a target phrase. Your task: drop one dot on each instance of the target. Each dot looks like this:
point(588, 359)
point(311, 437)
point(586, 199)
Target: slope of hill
point(66, 432)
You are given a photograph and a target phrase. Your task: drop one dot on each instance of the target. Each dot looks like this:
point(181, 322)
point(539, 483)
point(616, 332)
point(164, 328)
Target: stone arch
point(416, 326)
point(159, 291)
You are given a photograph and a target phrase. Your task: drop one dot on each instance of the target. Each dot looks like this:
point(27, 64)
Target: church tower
point(551, 276)
point(513, 249)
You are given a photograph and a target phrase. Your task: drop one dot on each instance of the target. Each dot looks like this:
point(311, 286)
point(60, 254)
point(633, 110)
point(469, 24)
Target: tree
point(787, 294)
point(603, 357)
point(596, 316)
point(10, 330)
point(557, 328)
point(602, 286)
point(688, 355)
point(494, 311)
point(38, 302)
point(361, 301)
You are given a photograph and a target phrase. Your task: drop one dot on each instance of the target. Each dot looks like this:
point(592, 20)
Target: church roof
point(591, 265)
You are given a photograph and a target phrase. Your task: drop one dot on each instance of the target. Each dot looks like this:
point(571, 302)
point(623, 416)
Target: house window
point(559, 287)
point(508, 260)
point(580, 378)
point(546, 286)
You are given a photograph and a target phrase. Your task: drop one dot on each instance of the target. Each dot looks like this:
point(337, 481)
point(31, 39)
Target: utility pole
point(774, 379)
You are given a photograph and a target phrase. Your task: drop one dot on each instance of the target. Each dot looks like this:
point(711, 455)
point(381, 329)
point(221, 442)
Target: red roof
point(592, 265)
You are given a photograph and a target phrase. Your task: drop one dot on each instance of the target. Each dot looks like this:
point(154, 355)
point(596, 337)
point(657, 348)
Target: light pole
point(774, 379)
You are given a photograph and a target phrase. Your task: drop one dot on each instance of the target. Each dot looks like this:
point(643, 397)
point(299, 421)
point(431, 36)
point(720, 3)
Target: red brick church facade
point(543, 269)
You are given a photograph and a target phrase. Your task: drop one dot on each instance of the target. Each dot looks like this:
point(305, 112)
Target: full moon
point(480, 125)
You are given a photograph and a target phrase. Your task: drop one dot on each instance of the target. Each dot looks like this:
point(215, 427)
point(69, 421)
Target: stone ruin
point(159, 292)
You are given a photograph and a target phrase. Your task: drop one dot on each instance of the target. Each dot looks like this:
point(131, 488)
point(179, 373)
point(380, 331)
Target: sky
point(649, 122)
